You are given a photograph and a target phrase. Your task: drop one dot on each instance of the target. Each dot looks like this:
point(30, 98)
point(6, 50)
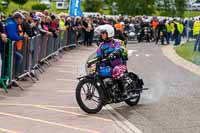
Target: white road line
point(122, 122)
point(68, 80)
point(64, 66)
point(147, 55)
point(136, 55)
point(75, 61)
point(70, 72)
point(130, 52)
point(66, 91)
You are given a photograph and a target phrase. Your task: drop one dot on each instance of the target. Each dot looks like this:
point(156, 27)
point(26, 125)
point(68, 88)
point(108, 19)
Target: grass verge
point(186, 51)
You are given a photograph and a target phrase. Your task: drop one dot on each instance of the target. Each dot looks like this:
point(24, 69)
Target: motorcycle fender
point(86, 77)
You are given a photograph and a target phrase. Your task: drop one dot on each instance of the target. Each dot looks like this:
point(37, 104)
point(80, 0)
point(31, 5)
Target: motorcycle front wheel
point(89, 97)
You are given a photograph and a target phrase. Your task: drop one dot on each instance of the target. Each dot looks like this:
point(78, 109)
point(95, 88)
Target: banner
point(75, 8)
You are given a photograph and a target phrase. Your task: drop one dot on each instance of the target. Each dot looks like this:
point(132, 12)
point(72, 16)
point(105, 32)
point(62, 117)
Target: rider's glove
point(114, 55)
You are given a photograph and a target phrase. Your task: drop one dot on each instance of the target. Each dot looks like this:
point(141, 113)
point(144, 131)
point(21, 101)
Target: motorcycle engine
point(128, 83)
point(112, 89)
point(108, 82)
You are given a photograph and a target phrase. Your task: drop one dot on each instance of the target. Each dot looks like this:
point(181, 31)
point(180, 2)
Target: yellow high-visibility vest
point(171, 27)
point(168, 27)
point(196, 28)
point(181, 28)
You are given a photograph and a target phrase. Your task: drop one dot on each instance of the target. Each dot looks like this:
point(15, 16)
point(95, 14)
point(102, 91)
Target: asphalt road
point(49, 106)
point(172, 105)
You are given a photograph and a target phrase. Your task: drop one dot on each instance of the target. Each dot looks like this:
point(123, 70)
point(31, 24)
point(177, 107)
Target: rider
point(113, 49)
point(109, 44)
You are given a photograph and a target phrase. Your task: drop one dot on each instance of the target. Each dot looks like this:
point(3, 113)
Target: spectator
point(26, 25)
point(89, 31)
point(118, 32)
point(14, 35)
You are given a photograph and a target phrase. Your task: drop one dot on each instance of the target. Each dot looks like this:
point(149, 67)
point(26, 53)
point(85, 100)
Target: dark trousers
point(197, 44)
point(18, 63)
point(177, 38)
point(88, 38)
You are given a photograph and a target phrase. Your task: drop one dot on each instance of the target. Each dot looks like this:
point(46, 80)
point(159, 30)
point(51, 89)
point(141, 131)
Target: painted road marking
point(66, 91)
point(48, 122)
point(123, 122)
point(69, 61)
point(73, 113)
point(70, 72)
point(136, 55)
point(147, 55)
point(64, 66)
point(130, 52)
point(7, 130)
point(35, 105)
point(67, 80)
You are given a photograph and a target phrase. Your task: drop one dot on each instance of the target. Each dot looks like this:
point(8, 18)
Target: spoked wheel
point(134, 101)
point(89, 97)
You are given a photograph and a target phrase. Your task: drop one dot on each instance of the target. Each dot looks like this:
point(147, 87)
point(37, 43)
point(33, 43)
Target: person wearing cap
point(35, 25)
point(12, 27)
point(14, 34)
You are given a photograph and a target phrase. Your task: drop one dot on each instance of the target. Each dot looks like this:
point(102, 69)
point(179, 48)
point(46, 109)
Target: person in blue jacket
point(13, 34)
point(12, 27)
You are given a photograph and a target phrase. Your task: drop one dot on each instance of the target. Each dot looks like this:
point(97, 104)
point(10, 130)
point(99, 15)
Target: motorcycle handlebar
point(95, 60)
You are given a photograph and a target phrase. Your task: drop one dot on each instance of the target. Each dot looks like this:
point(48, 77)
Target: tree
point(20, 2)
point(136, 7)
point(180, 7)
point(198, 1)
point(171, 7)
point(166, 7)
point(92, 5)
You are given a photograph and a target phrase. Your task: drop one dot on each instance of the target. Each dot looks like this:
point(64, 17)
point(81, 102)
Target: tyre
point(134, 101)
point(87, 92)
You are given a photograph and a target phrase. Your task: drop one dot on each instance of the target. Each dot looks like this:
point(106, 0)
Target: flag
point(75, 8)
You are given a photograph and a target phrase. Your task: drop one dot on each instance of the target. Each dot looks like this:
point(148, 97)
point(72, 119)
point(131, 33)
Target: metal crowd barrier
point(72, 38)
point(19, 64)
point(80, 36)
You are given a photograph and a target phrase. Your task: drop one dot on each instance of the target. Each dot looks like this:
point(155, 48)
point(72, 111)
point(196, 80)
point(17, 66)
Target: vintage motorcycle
point(144, 34)
point(94, 91)
point(131, 33)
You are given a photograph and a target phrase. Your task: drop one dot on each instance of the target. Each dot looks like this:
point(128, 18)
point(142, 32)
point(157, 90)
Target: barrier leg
point(33, 74)
point(30, 76)
point(4, 85)
point(47, 63)
point(15, 83)
point(39, 68)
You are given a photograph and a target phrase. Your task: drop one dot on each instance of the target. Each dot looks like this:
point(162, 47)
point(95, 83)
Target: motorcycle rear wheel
point(133, 102)
point(89, 96)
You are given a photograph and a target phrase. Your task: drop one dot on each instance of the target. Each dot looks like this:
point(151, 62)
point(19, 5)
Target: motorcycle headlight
point(132, 34)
